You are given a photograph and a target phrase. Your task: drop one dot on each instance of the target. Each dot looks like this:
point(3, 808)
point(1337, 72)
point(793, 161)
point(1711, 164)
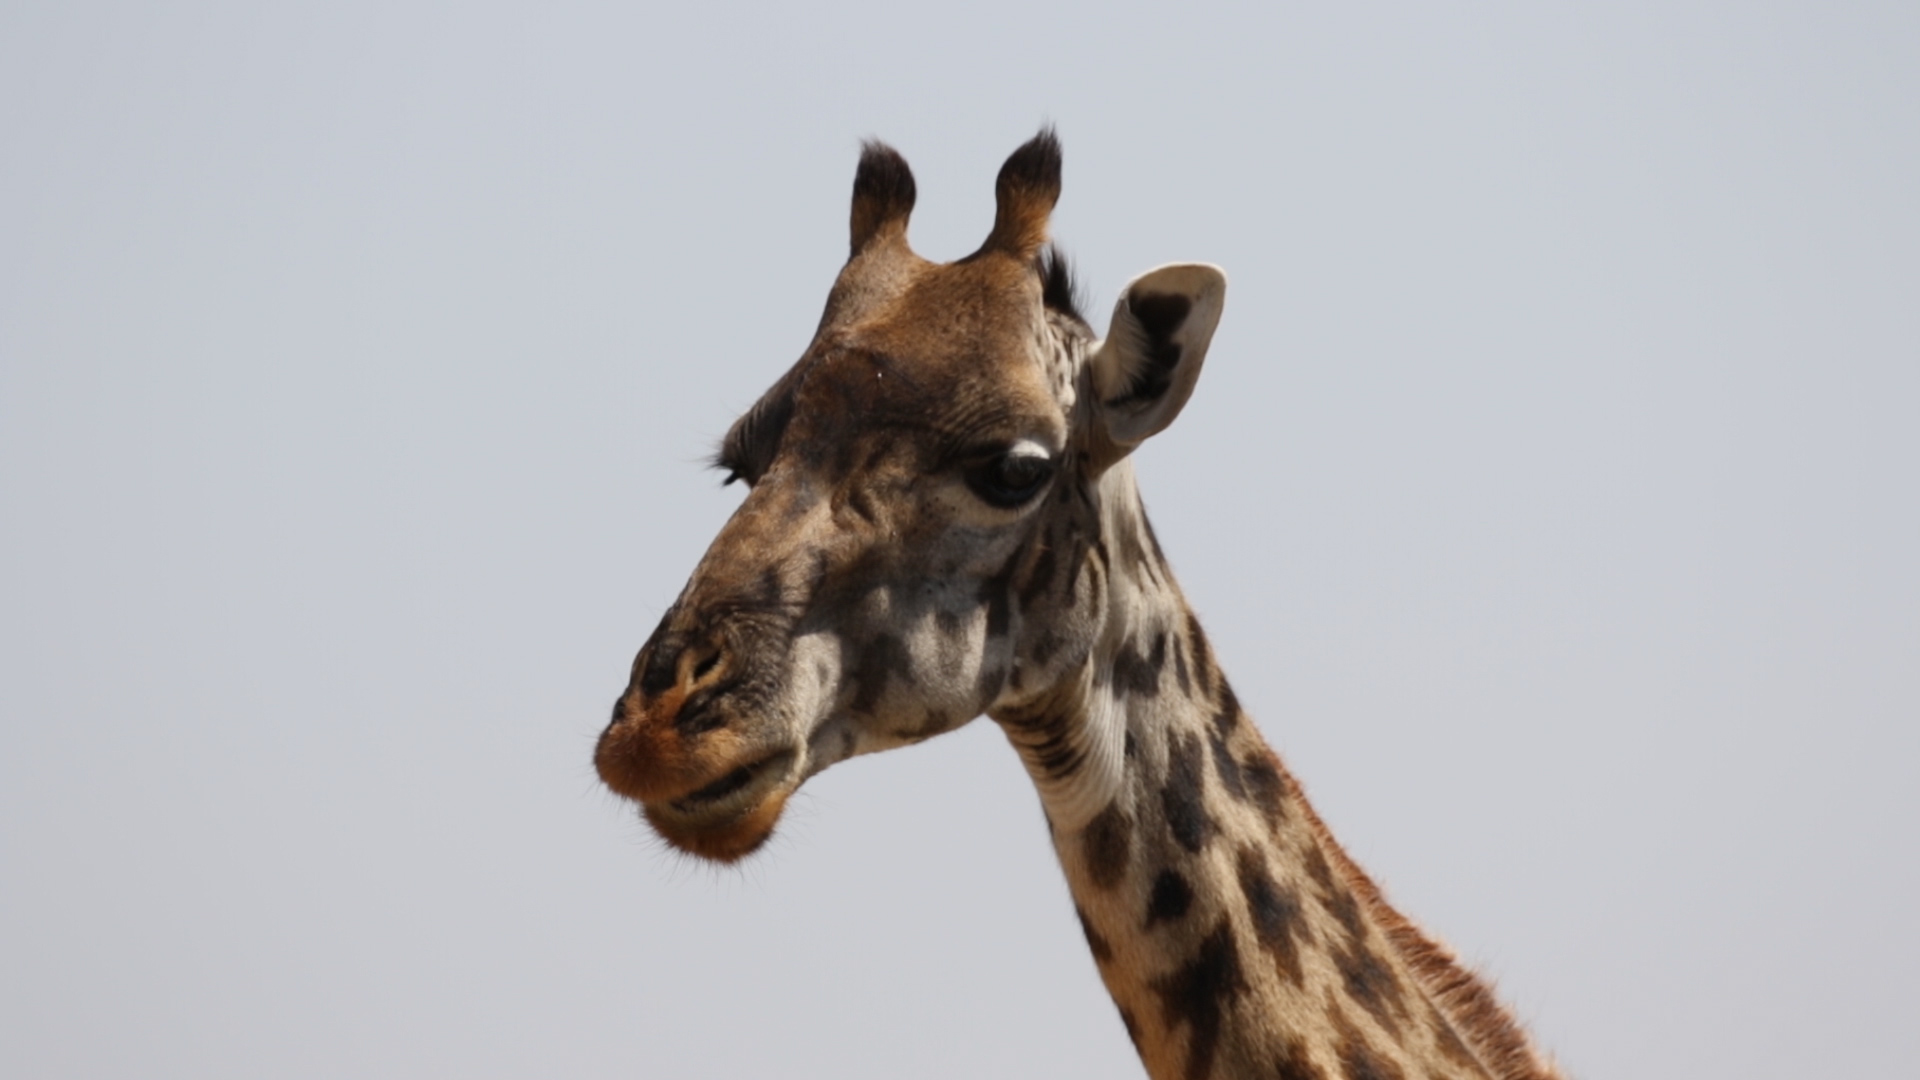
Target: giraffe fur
point(942, 522)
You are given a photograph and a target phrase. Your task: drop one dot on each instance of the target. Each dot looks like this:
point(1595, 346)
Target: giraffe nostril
point(705, 665)
point(659, 668)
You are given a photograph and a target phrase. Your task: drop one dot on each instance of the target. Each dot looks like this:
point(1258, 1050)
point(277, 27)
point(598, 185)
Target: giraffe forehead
point(953, 404)
point(899, 285)
point(911, 306)
point(964, 347)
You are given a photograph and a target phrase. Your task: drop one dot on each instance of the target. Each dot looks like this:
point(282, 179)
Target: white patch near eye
point(1028, 448)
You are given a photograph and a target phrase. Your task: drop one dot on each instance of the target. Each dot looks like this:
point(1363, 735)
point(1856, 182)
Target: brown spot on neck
point(1200, 993)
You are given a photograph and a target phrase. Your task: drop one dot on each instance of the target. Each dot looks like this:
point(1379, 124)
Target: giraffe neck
point(1234, 934)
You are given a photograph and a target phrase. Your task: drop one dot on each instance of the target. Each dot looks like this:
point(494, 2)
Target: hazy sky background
point(1552, 497)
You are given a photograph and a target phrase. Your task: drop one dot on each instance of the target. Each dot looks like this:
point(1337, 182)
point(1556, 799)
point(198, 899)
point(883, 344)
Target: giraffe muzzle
point(732, 816)
point(715, 793)
point(710, 771)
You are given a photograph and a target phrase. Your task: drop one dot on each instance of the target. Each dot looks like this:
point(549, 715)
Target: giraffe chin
point(730, 818)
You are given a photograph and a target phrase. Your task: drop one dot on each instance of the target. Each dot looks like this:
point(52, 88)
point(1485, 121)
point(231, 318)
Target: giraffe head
point(921, 543)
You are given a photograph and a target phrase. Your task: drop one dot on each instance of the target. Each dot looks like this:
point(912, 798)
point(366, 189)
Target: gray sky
point(1552, 498)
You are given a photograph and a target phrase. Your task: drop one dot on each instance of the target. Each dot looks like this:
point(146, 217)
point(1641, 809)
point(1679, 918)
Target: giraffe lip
point(741, 788)
point(731, 817)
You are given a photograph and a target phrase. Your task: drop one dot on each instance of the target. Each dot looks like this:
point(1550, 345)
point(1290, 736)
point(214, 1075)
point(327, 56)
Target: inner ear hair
point(1145, 370)
point(1147, 359)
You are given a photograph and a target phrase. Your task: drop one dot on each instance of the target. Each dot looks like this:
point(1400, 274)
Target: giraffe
point(942, 523)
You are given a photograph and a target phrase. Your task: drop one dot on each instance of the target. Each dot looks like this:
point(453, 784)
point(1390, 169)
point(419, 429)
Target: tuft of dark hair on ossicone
point(1025, 191)
point(883, 193)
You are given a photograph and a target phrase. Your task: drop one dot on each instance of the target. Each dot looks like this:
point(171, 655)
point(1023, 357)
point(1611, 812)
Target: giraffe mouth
point(732, 816)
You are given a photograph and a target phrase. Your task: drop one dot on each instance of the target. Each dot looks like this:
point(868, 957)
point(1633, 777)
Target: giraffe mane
point(1489, 1031)
point(1059, 286)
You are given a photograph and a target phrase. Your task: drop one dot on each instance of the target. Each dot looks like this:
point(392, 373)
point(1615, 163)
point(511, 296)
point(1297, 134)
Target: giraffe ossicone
point(942, 523)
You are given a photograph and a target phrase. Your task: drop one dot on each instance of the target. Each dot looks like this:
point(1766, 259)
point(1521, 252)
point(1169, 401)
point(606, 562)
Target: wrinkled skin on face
point(859, 599)
point(917, 547)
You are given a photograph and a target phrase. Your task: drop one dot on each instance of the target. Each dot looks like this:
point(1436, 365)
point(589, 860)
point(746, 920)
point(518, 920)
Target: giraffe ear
point(883, 195)
point(1144, 371)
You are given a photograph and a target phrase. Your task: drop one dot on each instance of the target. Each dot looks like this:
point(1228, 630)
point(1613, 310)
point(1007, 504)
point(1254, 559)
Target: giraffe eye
point(1010, 479)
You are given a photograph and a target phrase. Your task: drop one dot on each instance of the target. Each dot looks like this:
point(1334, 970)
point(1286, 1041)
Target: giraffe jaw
point(731, 817)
